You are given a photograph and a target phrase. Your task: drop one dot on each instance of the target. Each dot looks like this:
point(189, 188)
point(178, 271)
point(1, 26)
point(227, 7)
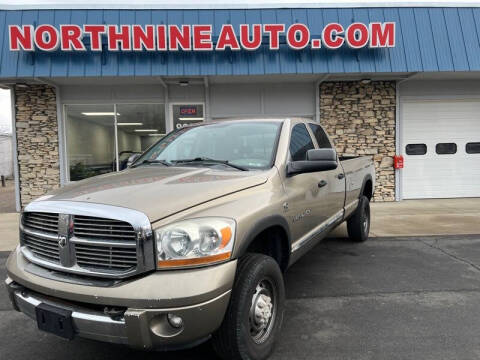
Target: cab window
point(300, 143)
point(320, 136)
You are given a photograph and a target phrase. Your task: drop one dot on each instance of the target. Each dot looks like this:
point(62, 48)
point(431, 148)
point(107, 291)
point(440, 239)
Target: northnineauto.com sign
point(199, 37)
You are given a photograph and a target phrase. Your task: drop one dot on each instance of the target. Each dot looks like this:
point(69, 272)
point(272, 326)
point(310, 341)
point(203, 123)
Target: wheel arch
point(367, 187)
point(270, 234)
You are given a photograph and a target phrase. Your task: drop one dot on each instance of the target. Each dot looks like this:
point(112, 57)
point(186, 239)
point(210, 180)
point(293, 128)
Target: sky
point(5, 112)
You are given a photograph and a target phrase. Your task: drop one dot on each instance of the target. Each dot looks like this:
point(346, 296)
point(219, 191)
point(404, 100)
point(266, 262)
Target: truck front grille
point(106, 229)
point(92, 245)
point(42, 247)
point(107, 258)
point(47, 222)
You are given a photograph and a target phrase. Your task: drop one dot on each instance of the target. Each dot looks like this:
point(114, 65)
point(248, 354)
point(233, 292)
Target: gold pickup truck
point(190, 242)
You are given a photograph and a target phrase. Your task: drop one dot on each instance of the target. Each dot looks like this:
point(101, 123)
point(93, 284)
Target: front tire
point(255, 313)
point(358, 225)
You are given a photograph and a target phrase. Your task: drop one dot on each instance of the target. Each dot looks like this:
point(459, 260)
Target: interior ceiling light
point(183, 83)
point(129, 124)
point(366, 81)
point(190, 118)
point(145, 130)
point(101, 113)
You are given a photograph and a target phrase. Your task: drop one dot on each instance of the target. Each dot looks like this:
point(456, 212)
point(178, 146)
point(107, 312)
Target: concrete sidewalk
point(8, 231)
point(404, 218)
point(423, 218)
point(7, 197)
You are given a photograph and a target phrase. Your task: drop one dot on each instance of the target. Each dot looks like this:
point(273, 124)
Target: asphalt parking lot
point(390, 298)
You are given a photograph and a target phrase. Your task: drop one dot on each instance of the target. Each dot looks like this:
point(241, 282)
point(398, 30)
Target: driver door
point(305, 209)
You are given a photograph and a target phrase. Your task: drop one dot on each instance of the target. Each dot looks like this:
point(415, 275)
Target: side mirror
point(317, 160)
point(132, 159)
point(322, 155)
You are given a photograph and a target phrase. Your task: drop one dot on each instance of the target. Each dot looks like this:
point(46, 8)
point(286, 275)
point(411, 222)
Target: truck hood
point(158, 191)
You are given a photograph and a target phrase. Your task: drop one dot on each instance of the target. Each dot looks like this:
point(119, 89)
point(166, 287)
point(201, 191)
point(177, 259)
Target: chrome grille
point(47, 222)
point(106, 257)
point(42, 247)
point(100, 228)
point(117, 250)
point(82, 243)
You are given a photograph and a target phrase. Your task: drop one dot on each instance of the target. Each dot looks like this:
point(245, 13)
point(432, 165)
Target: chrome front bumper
point(139, 328)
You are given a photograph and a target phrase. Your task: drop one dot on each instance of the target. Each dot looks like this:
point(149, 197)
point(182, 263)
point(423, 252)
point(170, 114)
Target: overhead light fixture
point(183, 83)
point(366, 81)
point(190, 118)
point(145, 130)
point(130, 124)
point(22, 86)
point(100, 113)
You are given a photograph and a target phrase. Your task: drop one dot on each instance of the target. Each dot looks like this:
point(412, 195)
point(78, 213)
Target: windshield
point(249, 145)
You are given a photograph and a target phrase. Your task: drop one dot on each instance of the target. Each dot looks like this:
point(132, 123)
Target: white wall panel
point(274, 99)
point(290, 99)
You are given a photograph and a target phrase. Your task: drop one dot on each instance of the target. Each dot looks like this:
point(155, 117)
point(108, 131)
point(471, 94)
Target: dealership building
point(93, 86)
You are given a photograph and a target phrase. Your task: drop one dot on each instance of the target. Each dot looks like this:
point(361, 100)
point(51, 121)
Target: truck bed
point(357, 169)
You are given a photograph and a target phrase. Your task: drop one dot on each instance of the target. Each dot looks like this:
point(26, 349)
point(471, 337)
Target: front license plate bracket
point(55, 320)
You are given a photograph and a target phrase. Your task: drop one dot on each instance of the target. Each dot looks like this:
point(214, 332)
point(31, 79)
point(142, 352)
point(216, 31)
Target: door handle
point(322, 183)
point(341, 176)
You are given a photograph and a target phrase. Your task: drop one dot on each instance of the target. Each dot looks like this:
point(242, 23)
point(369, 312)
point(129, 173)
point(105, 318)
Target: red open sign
point(188, 110)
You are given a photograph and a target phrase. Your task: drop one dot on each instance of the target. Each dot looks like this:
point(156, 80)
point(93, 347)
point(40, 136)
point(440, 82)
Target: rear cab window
point(320, 136)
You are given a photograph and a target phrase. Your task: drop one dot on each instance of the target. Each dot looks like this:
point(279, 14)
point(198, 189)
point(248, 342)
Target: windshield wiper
point(206, 159)
point(147, 161)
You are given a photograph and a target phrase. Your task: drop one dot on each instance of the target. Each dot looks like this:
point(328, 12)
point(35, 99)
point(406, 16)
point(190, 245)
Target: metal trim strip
point(319, 229)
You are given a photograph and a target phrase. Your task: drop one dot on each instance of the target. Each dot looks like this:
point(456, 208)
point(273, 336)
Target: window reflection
point(90, 140)
point(138, 127)
point(90, 135)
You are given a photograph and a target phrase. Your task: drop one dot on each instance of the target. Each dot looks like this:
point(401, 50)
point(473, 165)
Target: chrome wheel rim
point(366, 221)
point(263, 311)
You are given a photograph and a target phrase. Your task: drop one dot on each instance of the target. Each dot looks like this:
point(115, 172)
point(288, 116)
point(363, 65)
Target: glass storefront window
point(90, 140)
point(90, 135)
point(138, 127)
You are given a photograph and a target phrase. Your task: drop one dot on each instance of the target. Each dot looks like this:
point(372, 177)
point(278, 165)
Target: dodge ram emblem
point(65, 247)
point(62, 241)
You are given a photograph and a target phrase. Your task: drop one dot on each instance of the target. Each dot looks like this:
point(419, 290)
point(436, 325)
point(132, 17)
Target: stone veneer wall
point(37, 141)
point(360, 119)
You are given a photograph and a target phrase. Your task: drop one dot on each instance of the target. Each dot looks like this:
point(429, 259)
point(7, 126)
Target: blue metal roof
point(427, 39)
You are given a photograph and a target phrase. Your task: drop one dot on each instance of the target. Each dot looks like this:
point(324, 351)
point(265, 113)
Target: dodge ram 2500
point(192, 240)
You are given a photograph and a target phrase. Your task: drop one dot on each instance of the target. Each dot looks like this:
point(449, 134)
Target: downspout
point(398, 135)
point(16, 171)
point(317, 97)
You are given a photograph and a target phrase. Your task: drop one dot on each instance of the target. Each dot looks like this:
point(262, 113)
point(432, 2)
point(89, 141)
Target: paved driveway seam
point(455, 257)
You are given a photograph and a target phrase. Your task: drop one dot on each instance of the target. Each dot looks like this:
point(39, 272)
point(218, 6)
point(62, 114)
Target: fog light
point(175, 321)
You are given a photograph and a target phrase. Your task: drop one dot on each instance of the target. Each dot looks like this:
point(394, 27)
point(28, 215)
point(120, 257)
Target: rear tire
point(358, 225)
point(255, 313)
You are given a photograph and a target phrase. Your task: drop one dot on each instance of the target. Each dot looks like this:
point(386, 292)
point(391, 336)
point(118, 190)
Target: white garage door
point(441, 148)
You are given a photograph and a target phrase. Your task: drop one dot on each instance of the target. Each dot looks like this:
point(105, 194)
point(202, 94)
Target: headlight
point(195, 242)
